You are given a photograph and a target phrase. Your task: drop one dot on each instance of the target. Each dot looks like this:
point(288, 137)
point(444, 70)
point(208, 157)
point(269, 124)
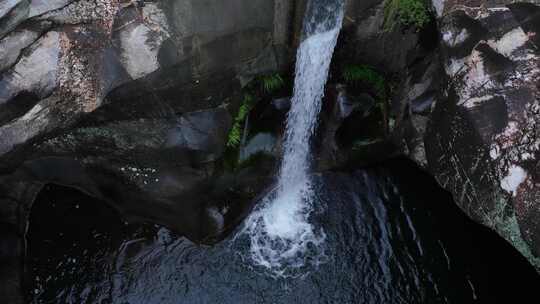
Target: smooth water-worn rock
point(160, 170)
point(178, 51)
point(482, 141)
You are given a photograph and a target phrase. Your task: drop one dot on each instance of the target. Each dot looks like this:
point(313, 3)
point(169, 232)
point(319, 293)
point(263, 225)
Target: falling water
point(282, 237)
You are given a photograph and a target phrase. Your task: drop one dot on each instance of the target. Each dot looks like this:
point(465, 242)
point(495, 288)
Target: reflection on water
point(391, 237)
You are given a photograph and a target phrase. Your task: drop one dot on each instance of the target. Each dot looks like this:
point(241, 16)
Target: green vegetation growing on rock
point(260, 87)
point(256, 94)
point(406, 12)
point(365, 80)
point(271, 83)
point(235, 135)
point(363, 74)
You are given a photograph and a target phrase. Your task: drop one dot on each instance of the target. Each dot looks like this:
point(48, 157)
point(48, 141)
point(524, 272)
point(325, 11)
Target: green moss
point(407, 13)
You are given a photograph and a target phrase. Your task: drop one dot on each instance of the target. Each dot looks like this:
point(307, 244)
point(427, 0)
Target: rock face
point(478, 133)
point(466, 108)
point(129, 102)
point(128, 75)
point(483, 141)
point(495, 110)
point(177, 51)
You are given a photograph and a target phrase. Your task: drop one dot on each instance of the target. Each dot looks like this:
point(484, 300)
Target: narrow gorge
point(269, 151)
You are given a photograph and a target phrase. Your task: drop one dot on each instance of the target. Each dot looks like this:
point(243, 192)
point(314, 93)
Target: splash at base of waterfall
point(282, 239)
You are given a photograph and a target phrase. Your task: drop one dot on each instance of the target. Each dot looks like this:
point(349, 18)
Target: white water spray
point(281, 235)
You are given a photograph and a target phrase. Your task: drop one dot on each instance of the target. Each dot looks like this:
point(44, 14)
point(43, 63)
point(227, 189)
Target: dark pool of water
point(392, 236)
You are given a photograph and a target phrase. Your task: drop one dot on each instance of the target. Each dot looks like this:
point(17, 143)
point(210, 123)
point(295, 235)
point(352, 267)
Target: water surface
point(391, 237)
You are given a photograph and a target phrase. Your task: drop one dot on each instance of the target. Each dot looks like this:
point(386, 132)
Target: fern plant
point(266, 84)
point(235, 135)
point(355, 74)
point(271, 83)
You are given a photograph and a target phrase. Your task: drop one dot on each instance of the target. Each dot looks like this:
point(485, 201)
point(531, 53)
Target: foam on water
point(281, 236)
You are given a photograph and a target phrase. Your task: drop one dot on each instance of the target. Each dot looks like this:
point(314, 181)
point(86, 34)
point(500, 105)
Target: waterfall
point(281, 236)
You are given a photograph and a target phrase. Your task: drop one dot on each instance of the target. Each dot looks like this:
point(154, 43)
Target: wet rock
point(159, 170)
point(204, 132)
point(481, 138)
point(352, 130)
point(133, 166)
point(198, 136)
point(282, 104)
point(261, 143)
point(413, 105)
point(268, 117)
point(364, 39)
point(344, 103)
